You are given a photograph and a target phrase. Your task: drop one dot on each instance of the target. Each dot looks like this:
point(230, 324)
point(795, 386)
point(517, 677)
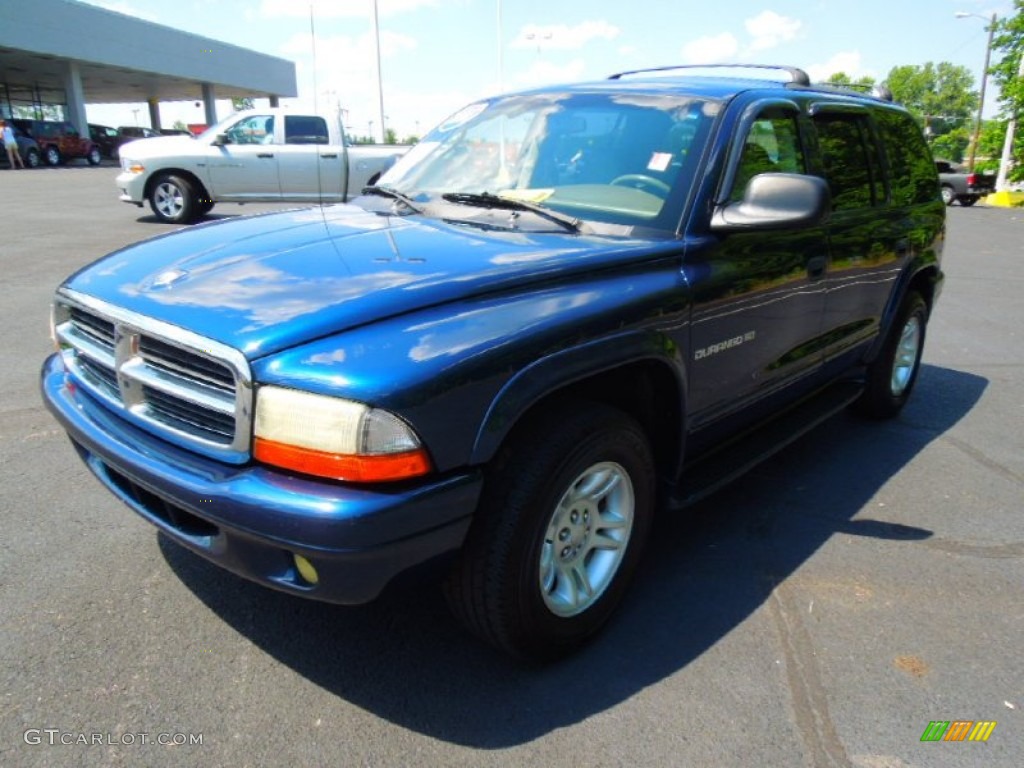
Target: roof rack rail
point(797, 76)
point(878, 91)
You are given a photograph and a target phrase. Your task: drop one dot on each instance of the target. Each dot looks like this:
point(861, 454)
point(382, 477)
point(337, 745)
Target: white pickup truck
point(252, 156)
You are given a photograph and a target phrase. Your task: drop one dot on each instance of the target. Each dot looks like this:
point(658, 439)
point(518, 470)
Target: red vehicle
point(59, 141)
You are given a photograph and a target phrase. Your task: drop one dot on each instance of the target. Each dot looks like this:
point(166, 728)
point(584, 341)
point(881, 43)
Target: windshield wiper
point(487, 200)
point(394, 194)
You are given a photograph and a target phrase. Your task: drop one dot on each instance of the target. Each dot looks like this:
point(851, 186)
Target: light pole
point(380, 72)
point(984, 81)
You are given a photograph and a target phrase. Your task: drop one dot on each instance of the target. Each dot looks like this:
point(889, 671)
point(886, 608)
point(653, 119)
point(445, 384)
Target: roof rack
point(878, 91)
point(797, 76)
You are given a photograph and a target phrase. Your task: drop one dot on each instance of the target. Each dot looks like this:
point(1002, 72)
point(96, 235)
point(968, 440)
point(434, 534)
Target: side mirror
point(776, 201)
point(220, 140)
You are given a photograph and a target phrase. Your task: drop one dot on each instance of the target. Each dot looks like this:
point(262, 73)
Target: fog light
point(306, 569)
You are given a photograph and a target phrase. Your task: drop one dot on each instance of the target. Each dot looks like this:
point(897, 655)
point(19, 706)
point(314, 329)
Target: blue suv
point(562, 311)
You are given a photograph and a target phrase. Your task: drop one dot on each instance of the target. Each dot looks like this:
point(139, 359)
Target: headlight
point(131, 166)
point(331, 437)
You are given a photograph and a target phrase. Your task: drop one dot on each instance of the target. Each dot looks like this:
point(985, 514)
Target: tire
point(52, 156)
point(205, 206)
point(567, 501)
point(967, 202)
point(173, 200)
point(94, 157)
point(32, 158)
point(891, 377)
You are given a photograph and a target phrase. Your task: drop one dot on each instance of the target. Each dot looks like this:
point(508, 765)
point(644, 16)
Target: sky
point(438, 55)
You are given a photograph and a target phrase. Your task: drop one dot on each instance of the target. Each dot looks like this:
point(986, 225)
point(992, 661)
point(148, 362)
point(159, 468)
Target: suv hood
point(265, 283)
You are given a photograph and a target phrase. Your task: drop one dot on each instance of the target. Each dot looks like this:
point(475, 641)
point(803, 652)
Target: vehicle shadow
point(404, 659)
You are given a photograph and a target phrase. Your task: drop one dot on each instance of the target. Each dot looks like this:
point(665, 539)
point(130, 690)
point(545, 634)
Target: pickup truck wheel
point(968, 201)
point(52, 156)
point(565, 511)
point(948, 195)
point(32, 158)
point(94, 157)
point(173, 200)
point(891, 376)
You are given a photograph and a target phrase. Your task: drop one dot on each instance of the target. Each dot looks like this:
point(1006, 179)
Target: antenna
point(316, 111)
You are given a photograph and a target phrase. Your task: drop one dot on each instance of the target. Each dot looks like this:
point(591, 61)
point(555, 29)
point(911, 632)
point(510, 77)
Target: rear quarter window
point(913, 171)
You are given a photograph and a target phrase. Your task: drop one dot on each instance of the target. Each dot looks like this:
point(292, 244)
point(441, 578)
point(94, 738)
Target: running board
point(738, 456)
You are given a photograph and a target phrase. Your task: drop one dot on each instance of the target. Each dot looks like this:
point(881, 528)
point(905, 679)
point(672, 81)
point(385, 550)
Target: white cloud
point(844, 61)
point(562, 37)
point(333, 9)
point(768, 30)
point(545, 73)
point(710, 50)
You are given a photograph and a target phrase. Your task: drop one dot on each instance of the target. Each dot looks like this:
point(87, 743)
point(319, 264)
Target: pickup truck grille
point(190, 390)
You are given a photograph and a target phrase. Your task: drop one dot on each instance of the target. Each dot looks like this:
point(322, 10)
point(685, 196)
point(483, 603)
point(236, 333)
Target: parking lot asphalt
point(820, 612)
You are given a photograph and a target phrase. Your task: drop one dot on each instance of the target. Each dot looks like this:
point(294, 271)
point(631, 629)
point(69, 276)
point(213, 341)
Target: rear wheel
point(173, 200)
point(948, 195)
point(891, 377)
point(52, 156)
point(968, 201)
point(94, 157)
point(565, 511)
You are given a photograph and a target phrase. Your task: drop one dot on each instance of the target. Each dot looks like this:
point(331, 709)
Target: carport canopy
point(70, 53)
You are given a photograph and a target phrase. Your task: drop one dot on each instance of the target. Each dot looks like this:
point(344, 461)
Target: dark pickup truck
point(959, 185)
point(562, 311)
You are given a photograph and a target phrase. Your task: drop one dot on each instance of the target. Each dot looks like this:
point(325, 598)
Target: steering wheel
point(642, 182)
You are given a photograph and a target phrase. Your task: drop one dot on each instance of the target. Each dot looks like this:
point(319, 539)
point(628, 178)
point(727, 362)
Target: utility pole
point(984, 82)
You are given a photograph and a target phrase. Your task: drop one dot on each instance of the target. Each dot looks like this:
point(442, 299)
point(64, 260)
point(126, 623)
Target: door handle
point(265, 154)
point(816, 267)
point(333, 156)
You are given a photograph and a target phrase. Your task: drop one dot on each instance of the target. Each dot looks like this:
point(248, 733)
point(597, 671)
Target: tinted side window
point(851, 160)
point(771, 146)
point(305, 129)
point(910, 159)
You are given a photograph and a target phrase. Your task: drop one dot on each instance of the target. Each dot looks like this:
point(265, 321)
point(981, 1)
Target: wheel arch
point(648, 387)
point(189, 176)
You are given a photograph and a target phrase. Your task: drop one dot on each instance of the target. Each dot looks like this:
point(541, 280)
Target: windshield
point(621, 158)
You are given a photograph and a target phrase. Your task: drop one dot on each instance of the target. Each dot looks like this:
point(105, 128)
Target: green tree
point(1009, 41)
point(941, 96)
point(952, 145)
point(240, 103)
point(843, 80)
point(390, 137)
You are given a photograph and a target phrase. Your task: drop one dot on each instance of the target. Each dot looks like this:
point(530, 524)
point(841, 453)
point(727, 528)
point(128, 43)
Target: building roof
point(123, 59)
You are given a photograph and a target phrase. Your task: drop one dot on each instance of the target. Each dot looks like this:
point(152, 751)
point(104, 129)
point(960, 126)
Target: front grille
point(193, 391)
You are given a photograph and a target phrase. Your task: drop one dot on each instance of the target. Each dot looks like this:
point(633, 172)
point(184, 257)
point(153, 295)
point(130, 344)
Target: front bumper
point(131, 187)
point(252, 520)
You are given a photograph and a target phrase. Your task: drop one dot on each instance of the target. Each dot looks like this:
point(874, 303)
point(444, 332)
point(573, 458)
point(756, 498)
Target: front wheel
point(94, 157)
point(52, 156)
point(891, 377)
point(567, 505)
point(32, 159)
point(173, 200)
point(948, 195)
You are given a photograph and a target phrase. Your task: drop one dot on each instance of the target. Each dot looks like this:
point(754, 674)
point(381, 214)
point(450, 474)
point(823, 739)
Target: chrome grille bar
point(192, 391)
